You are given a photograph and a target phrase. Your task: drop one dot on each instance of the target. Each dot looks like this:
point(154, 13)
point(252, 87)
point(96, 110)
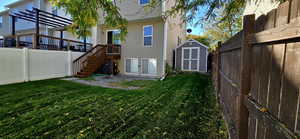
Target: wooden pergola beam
point(33, 20)
point(49, 17)
point(30, 15)
point(41, 11)
point(41, 21)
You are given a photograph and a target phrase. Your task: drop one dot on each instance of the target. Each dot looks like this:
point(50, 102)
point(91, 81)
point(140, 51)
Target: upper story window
point(1, 21)
point(54, 10)
point(144, 2)
point(148, 35)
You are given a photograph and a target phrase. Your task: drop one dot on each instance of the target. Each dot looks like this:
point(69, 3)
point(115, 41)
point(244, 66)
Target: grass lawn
point(182, 106)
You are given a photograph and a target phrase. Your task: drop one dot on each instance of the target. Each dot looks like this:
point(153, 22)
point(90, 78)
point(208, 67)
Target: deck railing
point(113, 49)
point(96, 51)
point(1, 42)
point(45, 42)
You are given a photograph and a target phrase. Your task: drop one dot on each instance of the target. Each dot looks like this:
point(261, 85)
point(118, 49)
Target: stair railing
point(80, 62)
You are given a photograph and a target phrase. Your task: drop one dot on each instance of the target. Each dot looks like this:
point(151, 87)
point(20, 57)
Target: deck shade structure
point(40, 17)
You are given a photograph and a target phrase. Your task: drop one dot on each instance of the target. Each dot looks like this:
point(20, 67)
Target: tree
point(202, 39)
point(85, 15)
point(222, 29)
point(85, 12)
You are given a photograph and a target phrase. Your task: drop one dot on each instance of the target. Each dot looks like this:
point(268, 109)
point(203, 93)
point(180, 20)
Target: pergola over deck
point(40, 17)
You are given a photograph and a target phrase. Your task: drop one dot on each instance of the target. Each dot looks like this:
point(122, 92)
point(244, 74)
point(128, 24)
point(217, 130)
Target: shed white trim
point(192, 40)
point(190, 58)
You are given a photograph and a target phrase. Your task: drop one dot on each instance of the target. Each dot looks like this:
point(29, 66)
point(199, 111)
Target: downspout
point(165, 40)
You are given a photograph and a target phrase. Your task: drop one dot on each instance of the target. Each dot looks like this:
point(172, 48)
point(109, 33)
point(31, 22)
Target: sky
point(196, 30)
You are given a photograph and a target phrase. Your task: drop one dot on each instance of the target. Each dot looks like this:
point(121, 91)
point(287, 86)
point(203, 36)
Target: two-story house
point(150, 40)
point(148, 46)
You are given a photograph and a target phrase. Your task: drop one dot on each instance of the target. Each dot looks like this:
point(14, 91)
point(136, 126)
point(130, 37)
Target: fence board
point(256, 52)
point(295, 11)
point(283, 14)
point(252, 126)
point(275, 76)
point(290, 90)
point(271, 20)
point(264, 74)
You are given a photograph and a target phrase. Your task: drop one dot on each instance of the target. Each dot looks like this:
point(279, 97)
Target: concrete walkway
point(108, 81)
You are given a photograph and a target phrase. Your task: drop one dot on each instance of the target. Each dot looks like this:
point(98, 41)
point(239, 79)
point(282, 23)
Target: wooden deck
point(45, 42)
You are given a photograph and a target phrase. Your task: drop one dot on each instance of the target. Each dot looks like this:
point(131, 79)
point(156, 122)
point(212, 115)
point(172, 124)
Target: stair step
point(81, 76)
point(84, 73)
point(92, 64)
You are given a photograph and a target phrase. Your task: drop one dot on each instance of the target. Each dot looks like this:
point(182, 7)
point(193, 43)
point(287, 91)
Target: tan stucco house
point(148, 46)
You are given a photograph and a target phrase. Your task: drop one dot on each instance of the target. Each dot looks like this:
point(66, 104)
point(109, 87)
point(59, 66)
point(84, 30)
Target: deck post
point(37, 28)
point(34, 41)
point(17, 41)
point(13, 27)
point(68, 45)
point(61, 42)
point(84, 44)
point(13, 30)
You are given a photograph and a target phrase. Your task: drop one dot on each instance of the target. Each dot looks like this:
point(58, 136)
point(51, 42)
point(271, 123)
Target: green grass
point(90, 78)
point(135, 83)
point(182, 106)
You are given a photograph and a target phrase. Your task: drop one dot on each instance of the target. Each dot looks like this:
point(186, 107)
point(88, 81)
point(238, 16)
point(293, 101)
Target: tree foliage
point(221, 29)
point(85, 15)
point(200, 38)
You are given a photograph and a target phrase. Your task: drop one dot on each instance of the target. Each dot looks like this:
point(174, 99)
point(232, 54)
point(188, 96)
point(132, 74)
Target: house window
point(54, 10)
point(144, 2)
point(132, 65)
point(113, 37)
point(148, 35)
point(149, 66)
point(141, 66)
point(1, 21)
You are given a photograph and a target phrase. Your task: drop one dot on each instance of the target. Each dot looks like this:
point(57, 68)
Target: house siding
point(133, 46)
point(5, 30)
point(176, 32)
point(133, 11)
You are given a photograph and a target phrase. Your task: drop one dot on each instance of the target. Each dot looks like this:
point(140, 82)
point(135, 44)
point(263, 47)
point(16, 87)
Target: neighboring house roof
point(4, 11)
point(192, 41)
point(16, 3)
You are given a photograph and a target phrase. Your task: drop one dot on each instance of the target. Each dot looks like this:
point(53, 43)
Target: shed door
point(190, 59)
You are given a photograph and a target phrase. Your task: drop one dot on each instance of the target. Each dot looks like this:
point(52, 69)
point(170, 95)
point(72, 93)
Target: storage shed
point(191, 56)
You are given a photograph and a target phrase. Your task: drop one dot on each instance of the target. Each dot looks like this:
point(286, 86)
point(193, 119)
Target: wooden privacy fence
point(257, 76)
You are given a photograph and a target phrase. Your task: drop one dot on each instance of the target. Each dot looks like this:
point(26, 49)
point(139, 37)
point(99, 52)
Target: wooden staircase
point(91, 61)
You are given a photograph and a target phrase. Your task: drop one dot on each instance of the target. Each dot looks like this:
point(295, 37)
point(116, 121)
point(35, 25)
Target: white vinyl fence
point(22, 65)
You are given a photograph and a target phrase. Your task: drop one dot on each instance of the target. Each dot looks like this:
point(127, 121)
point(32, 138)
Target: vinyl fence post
point(249, 25)
point(26, 64)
